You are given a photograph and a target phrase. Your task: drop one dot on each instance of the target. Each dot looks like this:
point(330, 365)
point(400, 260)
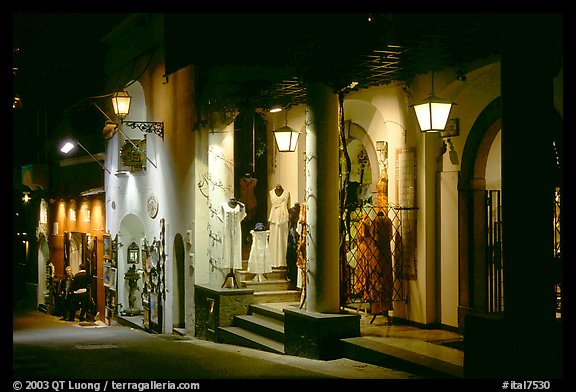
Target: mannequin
point(278, 219)
point(260, 260)
point(374, 280)
point(381, 279)
point(247, 196)
point(382, 195)
point(233, 213)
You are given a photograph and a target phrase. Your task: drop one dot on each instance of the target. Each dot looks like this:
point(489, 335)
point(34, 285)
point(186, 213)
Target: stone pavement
point(43, 347)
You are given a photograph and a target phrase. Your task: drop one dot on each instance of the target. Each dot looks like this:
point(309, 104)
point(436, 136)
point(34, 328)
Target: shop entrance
point(80, 249)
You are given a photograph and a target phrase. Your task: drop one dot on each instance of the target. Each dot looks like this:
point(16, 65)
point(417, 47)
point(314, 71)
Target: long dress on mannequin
point(380, 277)
point(301, 254)
point(279, 218)
point(363, 255)
point(233, 213)
point(260, 260)
point(291, 253)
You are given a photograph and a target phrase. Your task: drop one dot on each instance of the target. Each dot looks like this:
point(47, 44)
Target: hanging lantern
point(286, 139)
point(432, 113)
point(121, 103)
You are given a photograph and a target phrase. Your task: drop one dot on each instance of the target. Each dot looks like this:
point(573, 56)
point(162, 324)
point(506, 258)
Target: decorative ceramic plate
point(152, 206)
point(154, 257)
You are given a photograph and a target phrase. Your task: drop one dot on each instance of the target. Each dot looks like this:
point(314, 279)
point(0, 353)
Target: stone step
point(266, 285)
point(411, 355)
point(268, 310)
point(245, 338)
point(268, 327)
point(276, 274)
point(277, 296)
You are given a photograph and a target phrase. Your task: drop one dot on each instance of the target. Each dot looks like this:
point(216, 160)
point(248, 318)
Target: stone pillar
point(220, 187)
point(526, 342)
point(322, 200)
point(527, 190)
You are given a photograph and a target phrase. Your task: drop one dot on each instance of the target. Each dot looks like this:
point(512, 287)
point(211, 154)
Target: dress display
point(373, 271)
point(381, 279)
point(233, 213)
point(293, 238)
point(247, 195)
point(382, 195)
point(260, 260)
point(301, 253)
point(279, 219)
point(363, 255)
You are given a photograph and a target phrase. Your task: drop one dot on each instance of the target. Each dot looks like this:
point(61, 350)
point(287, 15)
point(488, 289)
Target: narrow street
point(44, 347)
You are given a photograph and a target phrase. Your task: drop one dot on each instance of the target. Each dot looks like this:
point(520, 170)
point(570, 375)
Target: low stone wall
point(216, 307)
point(317, 335)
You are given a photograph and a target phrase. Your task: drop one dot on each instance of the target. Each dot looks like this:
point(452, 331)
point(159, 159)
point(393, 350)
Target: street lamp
point(69, 145)
point(121, 103)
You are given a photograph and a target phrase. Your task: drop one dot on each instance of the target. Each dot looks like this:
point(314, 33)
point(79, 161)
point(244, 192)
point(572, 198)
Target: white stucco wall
point(172, 181)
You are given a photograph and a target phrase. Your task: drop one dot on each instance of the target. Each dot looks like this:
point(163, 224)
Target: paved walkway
point(43, 346)
point(433, 353)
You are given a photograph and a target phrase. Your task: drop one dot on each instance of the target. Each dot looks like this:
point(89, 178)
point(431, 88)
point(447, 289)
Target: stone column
point(527, 190)
point(527, 341)
point(322, 200)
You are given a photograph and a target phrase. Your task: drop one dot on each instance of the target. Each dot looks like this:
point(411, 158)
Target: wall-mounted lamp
point(69, 145)
point(26, 197)
point(121, 104)
point(433, 112)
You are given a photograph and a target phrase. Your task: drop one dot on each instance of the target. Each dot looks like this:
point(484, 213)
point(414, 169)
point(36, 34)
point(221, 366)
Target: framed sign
point(113, 278)
point(107, 241)
point(106, 274)
point(133, 253)
point(452, 128)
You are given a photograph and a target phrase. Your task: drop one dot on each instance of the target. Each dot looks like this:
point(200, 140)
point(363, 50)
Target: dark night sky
point(60, 63)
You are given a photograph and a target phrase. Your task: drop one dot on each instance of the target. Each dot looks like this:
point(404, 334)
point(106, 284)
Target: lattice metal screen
point(374, 267)
point(557, 253)
point(494, 251)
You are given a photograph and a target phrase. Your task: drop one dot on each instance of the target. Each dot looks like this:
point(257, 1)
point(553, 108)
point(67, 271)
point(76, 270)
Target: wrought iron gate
point(402, 267)
point(494, 251)
point(557, 253)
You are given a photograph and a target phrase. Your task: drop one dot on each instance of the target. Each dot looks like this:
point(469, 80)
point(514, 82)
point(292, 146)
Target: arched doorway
point(43, 292)
point(129, 238)
point(478, 221)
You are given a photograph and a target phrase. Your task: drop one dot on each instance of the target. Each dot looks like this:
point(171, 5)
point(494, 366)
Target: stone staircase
point(262, 328)
point(271, 287)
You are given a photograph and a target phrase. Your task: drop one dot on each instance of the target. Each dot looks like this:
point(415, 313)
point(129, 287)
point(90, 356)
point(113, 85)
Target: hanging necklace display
point(162, 258)
point(154, 256)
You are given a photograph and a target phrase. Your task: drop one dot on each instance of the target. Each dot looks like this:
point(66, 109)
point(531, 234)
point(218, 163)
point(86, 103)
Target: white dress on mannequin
point(260, 260)
point(278, 219)
point(233, 213)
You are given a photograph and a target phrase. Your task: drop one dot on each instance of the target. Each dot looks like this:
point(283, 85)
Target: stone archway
point(356, 134)
point(472, 212)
